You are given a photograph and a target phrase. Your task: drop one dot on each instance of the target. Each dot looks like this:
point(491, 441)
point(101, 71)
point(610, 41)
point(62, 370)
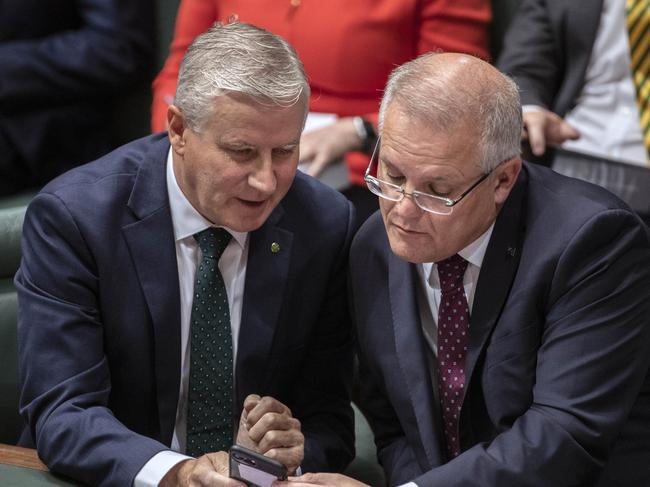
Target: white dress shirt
point(430, 282)
point(607, 115)
point(232, 265)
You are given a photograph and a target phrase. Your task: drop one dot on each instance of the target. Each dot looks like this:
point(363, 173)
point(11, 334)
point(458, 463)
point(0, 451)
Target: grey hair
point(443, 99)
point(242, 58)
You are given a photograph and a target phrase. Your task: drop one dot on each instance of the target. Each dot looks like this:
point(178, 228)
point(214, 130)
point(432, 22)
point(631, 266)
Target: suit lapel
point(497, 272)
point(411, 355)
point(267, 270)
point(151, 243)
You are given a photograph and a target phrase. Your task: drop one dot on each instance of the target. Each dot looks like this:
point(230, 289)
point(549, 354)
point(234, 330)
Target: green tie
point(209, 408)
point(638, 25)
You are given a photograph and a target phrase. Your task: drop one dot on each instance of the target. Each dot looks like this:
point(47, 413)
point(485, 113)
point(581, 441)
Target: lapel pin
point(511, 251)
point(275, 247)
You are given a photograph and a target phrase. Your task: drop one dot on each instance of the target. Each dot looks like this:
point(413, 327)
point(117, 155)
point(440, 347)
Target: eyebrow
point(241, 144)
point(391, 166)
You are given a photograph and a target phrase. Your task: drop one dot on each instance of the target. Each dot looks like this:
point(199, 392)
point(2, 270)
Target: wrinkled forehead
point(415, 147)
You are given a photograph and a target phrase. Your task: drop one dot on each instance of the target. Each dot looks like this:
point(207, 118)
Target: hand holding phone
point(255, 469)
point(268, 427)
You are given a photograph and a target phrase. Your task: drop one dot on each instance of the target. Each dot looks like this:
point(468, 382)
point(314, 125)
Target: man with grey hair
point(502, 310)
point(188, 291)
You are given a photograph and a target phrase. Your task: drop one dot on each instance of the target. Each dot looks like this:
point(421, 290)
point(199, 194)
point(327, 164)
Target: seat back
point(11, 222)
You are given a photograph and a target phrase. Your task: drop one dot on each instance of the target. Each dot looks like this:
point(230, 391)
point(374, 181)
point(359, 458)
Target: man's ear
point(176, 128)
point(505, 178)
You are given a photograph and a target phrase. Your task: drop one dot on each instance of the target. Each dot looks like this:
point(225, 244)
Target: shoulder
point(566, 216)
point(567, 200)
point(95, 197)
point(109, 178)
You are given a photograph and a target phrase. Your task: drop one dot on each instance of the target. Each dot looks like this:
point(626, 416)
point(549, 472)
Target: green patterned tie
point(209, 408)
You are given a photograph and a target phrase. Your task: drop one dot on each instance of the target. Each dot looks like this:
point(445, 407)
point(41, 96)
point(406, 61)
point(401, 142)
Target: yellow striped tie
point(638, 26)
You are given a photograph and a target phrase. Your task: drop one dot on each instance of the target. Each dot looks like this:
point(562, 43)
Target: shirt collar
point(475, 251)
point(185, 219)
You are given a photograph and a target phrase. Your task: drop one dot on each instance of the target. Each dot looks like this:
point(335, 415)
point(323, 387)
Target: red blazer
point(348, 47)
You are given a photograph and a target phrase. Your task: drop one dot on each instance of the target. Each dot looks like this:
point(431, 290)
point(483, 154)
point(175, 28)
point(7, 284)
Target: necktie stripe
point(634, 9)
point(639, 44)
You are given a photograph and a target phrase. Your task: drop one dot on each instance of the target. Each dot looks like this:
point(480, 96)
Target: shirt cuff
point(155, 469)
point(410, 484)
point(532, 108)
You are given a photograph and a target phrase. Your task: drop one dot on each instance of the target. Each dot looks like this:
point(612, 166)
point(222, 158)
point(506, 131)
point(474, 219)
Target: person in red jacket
point(348, 49)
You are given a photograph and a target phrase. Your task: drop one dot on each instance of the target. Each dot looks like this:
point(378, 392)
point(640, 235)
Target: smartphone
point(254, 469)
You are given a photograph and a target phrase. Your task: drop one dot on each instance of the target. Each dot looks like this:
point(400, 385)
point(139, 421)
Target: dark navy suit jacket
point(63, 64)
point(99, 317)
point(558, 391)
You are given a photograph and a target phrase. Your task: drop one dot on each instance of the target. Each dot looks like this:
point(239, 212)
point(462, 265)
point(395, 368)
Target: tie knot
point(213, 241)
point(451, 272)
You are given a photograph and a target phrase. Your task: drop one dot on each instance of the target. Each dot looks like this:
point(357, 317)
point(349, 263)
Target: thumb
point(567, 132)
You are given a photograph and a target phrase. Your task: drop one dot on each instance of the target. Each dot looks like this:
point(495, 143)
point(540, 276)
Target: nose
point(262, 177)
point(407, 207)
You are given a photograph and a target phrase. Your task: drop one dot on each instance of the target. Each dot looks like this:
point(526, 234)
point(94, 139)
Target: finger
point(307, 149)
point(536, 137)
point(219, 462)
point(318, 165)
point(266, 405)
point(270, 422)
point(280, 439)
point(567, 132)
point(289, 457)
point(204, 475)
point(251, 401)
point(290, 483)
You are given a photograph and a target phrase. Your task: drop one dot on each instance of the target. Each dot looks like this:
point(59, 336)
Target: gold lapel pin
point(275, 247)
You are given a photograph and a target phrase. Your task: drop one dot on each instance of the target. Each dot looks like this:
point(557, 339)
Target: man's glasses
point(427, 202)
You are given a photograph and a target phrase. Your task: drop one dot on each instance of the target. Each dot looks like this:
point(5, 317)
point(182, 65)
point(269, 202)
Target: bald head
point(449, 90)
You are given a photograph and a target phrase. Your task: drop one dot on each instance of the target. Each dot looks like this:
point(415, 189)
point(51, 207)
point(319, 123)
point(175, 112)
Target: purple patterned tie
point(453, 338)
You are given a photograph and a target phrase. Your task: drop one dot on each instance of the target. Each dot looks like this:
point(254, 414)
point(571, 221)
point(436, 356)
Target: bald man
point(502, 310)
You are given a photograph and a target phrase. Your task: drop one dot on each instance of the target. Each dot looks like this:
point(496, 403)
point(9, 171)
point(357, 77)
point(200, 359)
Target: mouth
point(406, 231)
point(252, 204)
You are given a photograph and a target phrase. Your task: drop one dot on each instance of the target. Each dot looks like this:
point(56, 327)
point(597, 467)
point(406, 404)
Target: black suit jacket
point(547, 50)
point(63, 64)
point(558, 388)
point(99, 317)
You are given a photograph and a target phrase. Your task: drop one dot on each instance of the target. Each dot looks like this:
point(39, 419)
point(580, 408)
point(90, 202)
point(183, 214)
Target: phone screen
point(255, 469)
point(255, 476)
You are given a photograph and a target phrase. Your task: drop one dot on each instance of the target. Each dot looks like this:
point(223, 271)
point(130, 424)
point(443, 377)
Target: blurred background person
point(348, 48)
point(582, 69)
point(62, 65)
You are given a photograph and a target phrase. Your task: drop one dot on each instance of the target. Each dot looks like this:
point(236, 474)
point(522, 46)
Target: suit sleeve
point(394, 452)
point(193, 18)
point(112, 47)
point(65, 378)
point(591, 366)
point(530, 54)
point(322, 394)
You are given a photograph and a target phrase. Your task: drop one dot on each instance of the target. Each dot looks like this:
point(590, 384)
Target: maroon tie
point(453, 338)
